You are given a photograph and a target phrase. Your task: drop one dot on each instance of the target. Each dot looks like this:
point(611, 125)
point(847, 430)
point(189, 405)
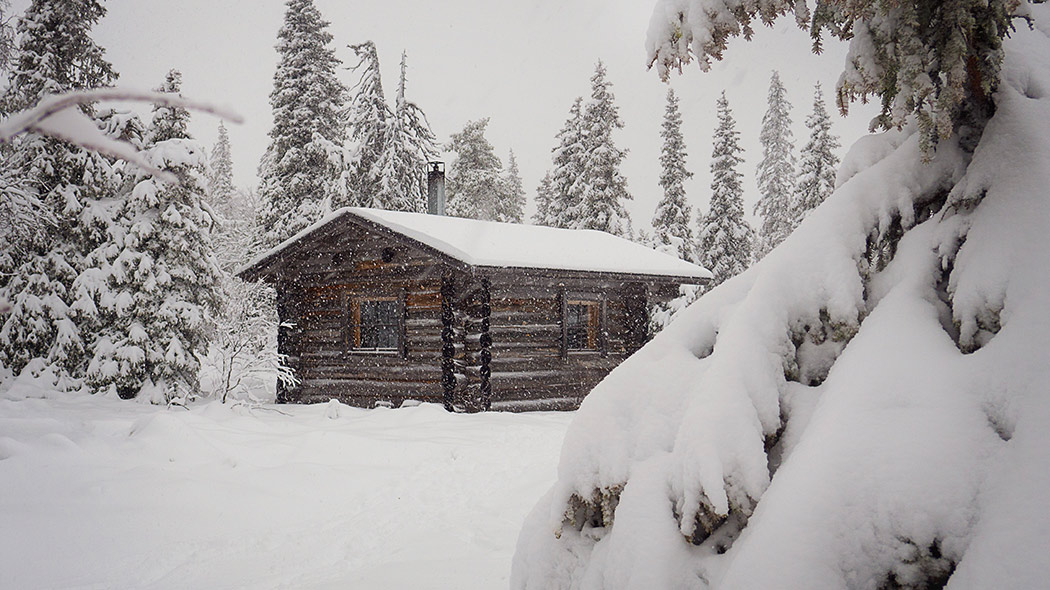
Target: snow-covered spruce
point(671, 227)
point(604, 188)
point(819, 163)
point(369, 116)
point(725, 238)
point(298, 177)
point(220, 177)
point(513, 201)
point(152, 285)
point(776, 171)
point(475, 189)
point(409, 145)
point(827, 402)
point(560, 208)
point(67, 184)
point(388, 169)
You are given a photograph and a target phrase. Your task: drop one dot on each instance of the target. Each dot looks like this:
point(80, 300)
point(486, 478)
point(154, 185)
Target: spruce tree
point(776, 171)
point(671, 220)
point(370, 122)
point(604, 187)
point(154, 283)
point(298, 179)
point(725, 237)
point(408, 145)
point(474, 183)
point(816, 179)
point(71, 185)
point(220, 179)
point(512, 197)
point(544, 198)
point(566, 186)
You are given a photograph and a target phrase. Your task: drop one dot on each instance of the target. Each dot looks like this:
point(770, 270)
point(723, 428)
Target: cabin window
point(583, 325)
point(375, 324)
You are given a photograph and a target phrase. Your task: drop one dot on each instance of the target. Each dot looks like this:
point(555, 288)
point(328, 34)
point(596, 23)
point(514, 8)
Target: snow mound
point(867, 407)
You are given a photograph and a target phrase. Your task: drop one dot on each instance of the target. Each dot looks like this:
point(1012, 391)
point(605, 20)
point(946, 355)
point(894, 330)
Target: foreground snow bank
point(868, 407)
point(103, 493)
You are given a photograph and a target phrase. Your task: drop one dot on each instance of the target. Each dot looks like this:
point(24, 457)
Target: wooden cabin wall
point(529, 369)
point(325, 282)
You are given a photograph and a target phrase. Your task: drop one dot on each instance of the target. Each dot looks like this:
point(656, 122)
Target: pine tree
point(54, 54)
point(512, 197)
point(566, 185)
point(298, 179)
point(544, 198)
point(370, 124)
point(474, 183)
point(604, 187)
point(671, 220)
point(220, 179)
point(408, 145)
point(154, 284)
point(776, 171)
point(816, 179)
point(725, 237)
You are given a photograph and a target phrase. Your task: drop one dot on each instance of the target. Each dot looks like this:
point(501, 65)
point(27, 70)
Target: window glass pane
point(581, 325)
point(378, 326)
point(386, 336)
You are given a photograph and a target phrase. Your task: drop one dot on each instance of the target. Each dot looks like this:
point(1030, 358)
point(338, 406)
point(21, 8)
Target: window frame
point(354, 324)
point(596, 323)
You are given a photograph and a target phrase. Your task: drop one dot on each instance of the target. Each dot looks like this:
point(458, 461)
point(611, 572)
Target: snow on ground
point(103, 493)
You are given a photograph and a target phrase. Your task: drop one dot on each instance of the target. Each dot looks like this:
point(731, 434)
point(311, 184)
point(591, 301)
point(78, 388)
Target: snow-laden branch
point(55, 116)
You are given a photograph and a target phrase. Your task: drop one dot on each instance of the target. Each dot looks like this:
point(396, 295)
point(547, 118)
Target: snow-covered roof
point(509, 245)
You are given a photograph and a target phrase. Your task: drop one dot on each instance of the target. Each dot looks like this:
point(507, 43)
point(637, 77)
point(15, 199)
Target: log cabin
point(380, 307)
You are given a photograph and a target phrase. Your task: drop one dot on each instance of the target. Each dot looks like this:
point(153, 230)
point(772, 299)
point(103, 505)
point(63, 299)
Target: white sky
point(519, 63)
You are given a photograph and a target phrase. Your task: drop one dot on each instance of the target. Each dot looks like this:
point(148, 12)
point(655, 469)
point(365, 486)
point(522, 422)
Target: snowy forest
point(857, 398)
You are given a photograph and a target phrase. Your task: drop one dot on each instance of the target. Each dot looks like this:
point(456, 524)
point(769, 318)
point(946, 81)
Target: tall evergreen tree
point(725, 237)
point(776, 171)
point(604, 187)
point(220, 179)
point(474, 183)
point(671, 221)
point(409, 144)
point(370, 119)
point(512, 197)
point(54, 54)
point(816, 179)
point(297, 176)
point(154, 282)
point(566, 186)
point(544, 199)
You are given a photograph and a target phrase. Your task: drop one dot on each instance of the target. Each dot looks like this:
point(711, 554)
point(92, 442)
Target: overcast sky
point(519, 63)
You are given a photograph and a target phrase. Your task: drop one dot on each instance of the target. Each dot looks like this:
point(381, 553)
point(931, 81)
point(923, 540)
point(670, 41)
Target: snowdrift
point(868, 407)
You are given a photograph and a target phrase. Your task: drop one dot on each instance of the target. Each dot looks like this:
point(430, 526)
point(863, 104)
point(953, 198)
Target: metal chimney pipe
point(436, 188)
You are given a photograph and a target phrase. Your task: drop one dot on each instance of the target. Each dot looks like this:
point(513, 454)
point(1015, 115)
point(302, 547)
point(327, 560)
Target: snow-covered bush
point(242, 361)
point(867, 407)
